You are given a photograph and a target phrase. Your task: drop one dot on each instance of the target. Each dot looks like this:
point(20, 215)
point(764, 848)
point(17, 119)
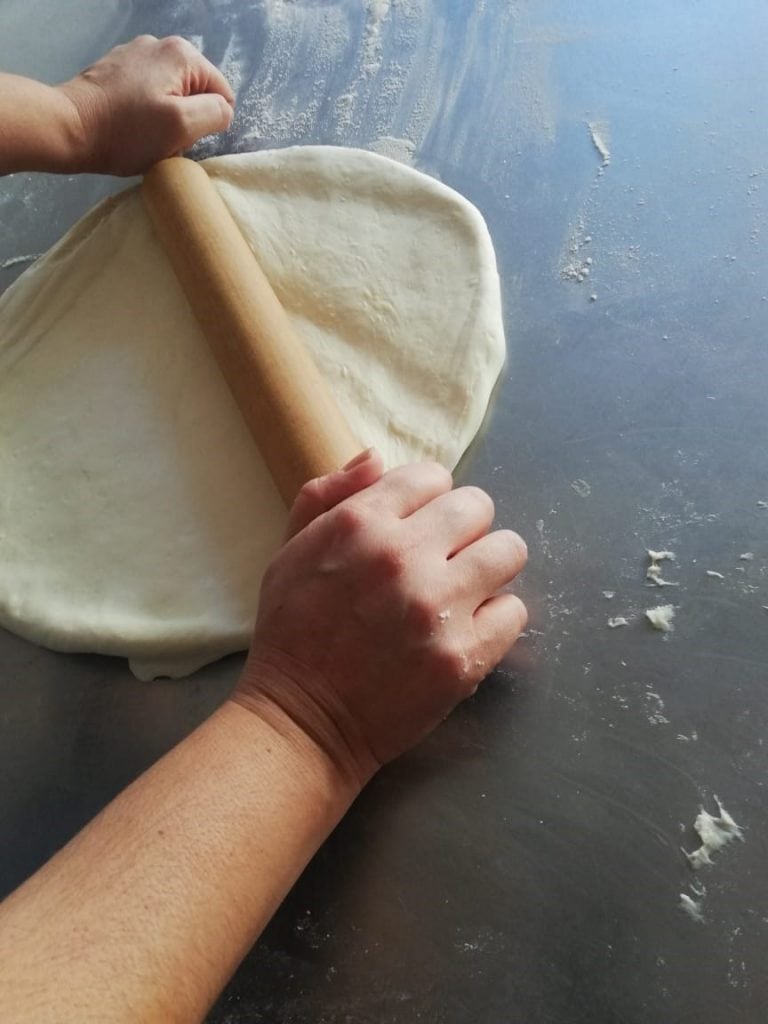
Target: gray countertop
point(523, 864)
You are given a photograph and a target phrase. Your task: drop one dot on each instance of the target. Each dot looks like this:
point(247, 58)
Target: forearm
point(39, 127)
point(146, 913)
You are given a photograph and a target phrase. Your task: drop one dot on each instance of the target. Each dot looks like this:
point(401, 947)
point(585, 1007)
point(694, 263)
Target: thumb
point(200, 115)
point(325, 492)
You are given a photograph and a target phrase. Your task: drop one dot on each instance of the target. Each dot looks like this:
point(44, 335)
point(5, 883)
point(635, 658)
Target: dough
point(715, 831)
point(653, 572)
point(136, 515)
point(661, 617)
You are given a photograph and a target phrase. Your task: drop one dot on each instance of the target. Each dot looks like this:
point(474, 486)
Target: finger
point(491, 562)
point(201, 115)
point(325, 492)
point(498, 623)
point(208, 78)
point(455, 519)
point(403, 490)
point(202, 76)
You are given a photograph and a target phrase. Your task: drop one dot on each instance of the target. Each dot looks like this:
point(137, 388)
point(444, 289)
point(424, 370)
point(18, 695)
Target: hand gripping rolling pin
point(285, 402)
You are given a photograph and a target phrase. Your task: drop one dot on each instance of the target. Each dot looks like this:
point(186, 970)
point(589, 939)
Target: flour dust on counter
point(598, 132)
point(391, 69)
point(401, 150)
point(137, 515)
point(582, 488)
point(577, 262)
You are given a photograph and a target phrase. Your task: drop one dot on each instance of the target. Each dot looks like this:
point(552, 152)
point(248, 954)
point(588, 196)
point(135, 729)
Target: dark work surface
point(524, 864)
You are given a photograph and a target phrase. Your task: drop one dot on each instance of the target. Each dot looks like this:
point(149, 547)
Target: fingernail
point(358, 460)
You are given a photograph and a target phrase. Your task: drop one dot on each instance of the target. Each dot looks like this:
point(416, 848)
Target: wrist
point(308, 713)
point(42, 130)
point(82, 121)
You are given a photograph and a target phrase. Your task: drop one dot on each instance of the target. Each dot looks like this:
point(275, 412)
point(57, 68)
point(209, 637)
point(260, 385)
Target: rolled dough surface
point(136, 515)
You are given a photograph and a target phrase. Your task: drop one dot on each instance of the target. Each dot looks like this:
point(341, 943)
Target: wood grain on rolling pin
point(286, 403)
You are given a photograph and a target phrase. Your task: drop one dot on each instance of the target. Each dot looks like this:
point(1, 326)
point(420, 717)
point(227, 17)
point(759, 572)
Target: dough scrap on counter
point(617, 621)
point(661, 617)
point(653, 572)
point(136, 514)
point(693, 908)
point(715, 833)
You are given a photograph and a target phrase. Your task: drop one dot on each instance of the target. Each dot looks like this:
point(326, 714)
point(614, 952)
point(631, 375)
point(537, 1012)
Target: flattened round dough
point(136, 515)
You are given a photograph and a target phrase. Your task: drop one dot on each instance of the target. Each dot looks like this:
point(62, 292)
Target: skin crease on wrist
point(385, 607)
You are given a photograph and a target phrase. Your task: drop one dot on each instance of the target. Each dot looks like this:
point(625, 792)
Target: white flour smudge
point(598, 131)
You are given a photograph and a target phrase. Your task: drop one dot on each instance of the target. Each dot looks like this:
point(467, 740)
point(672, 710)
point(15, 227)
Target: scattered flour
point(401, 150)
point(377, 12)
point(655, 708)
point(598, 132)
point(688, 739)
point(714, 575)
point(577, 266)
point(582, 488)
point(619, 620)
point(381, 71)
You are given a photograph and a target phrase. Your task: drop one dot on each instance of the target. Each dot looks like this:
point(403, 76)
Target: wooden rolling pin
point(287, 405)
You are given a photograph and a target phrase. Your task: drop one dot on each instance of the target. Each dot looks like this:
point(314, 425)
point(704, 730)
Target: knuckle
point(453, 665)
point(180, 125)
point(515, 547)
point(442, 477)
point(480, 499)
point(423, 617)
point(175, 44)
point(273, 573)
point(350, 519)
point(145, 39)
point(389, 563)
point(519, 615)
point(311, 491)
point(226, 112)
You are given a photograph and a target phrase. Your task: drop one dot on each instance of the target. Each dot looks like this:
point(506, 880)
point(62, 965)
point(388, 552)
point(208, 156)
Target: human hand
point(382, 611)
point(146, 100)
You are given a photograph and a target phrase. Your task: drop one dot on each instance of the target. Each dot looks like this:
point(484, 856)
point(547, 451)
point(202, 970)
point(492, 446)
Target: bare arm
point(143, 101)
point(376, 618)
point(147, 912)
